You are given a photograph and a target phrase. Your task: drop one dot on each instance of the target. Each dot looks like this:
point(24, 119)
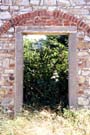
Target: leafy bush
point(46, 72)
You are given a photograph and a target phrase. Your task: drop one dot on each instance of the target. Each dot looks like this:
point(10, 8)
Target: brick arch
point(45, 18)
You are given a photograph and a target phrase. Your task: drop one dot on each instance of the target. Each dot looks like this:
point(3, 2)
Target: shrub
point(46, 73)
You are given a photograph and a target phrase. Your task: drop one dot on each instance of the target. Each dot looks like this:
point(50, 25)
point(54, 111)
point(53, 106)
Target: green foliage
point(69, 114)
point(46, 73)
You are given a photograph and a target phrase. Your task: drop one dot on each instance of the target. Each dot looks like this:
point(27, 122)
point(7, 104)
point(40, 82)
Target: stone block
point(35, 2)
point(88, 63)
point(12, 61)
point(83, 45)
point(78, 11)
point(82, 63)
point(23, 2)
point(14, 8)
point(6, 63)
point(1, 69)
point(83, 54)
point(49, 2)
point(86, 72)
point(79, 71)
point(81, 79)
point(7, 2)
point(87, 92)
point(52, 8)
point(4, 8)
point(11, 46)
point(3, 91)
point(26, 10)
point(63, 3)
point(87, 39)
point(7, 101)
point(9, 71)
point(84, 101)
point(5, 46)
point(80, 35)
point(11, 30)
point(77, 2)
point(5, 15)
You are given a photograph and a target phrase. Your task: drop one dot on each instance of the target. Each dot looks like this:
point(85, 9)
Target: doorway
point(45, 73)
point(71, 33)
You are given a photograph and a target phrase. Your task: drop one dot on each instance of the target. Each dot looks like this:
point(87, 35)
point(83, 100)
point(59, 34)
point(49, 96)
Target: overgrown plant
point(46, 72)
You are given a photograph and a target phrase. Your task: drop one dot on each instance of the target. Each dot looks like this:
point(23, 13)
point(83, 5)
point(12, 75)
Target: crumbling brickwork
point(15, 13)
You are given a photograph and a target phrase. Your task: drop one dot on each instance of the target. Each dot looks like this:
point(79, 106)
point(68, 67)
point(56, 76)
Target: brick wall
point(43, 12)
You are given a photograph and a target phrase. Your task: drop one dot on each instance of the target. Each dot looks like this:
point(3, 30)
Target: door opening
point(72, 62)
point(45, 75)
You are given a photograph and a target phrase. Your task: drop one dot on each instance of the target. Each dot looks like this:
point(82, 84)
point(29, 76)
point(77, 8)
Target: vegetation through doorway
point(46, 72)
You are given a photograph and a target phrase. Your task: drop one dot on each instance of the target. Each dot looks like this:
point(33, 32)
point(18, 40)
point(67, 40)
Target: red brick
point(66, 16)
point(70, 17)
point(75, 19)
point(12, 65)
point(81, 92)
point(88, 31)
point(44, 14)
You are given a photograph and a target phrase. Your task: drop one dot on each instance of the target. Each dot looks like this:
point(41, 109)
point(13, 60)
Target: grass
point(47, 123)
